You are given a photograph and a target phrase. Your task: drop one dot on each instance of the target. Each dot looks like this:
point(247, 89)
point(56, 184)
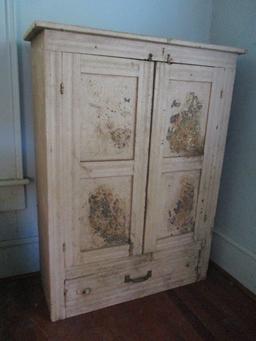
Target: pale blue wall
point(234, 244)
point(184, 19)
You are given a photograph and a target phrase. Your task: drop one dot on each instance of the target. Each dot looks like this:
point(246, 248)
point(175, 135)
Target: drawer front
point(117, 284)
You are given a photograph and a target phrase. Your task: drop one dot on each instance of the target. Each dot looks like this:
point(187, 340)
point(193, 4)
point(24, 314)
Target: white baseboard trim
point(15, 242)
point(233, 243)
point(19, 256)
point(235, 259)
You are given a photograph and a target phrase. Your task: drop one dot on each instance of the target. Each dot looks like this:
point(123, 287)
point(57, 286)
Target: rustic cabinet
point(130, 136)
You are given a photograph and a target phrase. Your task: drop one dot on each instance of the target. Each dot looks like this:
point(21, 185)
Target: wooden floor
point(215, 309)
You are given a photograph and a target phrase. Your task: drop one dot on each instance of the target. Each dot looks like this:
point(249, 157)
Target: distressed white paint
point(80, 273)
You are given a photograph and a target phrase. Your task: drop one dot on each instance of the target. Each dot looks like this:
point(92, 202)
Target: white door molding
point(11, 173)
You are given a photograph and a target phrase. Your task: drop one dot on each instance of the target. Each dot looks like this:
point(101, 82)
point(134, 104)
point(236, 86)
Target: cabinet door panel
point(180, 194)
point(106, 125)
point(105, 212)
point(186, 118)
point(108, 116)
point(184, 138)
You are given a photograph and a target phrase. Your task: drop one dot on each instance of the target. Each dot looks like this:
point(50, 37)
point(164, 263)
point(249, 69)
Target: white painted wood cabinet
point(130, 137)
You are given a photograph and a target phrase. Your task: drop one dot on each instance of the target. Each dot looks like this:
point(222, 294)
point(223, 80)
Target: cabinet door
point(183, 147)
point(105, 127)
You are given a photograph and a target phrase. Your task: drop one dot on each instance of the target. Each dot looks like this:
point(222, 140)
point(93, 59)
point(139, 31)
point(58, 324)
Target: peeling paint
point(106, 128)
point(109, 116)
point(183, 134)
point(175, 104)
point(107, 216)
point(181, 216)
point(120, 137)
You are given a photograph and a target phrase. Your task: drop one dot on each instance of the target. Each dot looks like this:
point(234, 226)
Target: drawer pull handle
point(128, 279)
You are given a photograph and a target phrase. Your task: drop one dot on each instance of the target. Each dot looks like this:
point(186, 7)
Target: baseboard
point(16, 242)
point(239, 262)
point(232, 280)
point(19, 256)
point(32, 275)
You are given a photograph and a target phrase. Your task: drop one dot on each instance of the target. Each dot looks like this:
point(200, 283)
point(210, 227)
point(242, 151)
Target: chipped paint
point(106, 127)
point(183, 134)
point(108, 119)
point(175, 104)
point(120, 137)
point(181, 218)
point(107, 216)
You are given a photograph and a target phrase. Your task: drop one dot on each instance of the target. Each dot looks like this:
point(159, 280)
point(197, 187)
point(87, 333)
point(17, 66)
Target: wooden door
point(105, 127)
point(183, 147)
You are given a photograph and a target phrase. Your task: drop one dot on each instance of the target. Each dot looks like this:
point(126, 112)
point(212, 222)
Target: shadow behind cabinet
point(130, 136)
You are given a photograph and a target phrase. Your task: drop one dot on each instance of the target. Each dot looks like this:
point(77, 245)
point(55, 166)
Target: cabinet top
point(39, 26)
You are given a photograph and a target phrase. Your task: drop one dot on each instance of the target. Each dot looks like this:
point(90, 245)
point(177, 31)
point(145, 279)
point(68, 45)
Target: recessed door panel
point(108, 114)
point(186, 117)
point(180, 194)
point(105, 212)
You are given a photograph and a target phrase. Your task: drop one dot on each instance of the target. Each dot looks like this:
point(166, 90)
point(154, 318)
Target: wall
point(234, 243)
point(18, 240)
point(183, 19)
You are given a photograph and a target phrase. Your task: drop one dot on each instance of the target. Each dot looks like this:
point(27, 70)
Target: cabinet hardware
point(169, 60)
point(85, 291)
point(150, 57)
point(128, 279)
point(203, 243)
point(61, 88)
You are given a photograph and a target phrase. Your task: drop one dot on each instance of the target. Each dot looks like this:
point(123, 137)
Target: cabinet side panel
point(47, 67)
point(38, 81)
point(228, 76)
point(53, 110)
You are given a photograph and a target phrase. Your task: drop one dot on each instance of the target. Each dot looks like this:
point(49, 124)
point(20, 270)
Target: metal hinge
point(221, 93)
point(64, 247)
point(150, 57)
point(198, 266)
point(61, 88)
point(169, 59)
point(203, 243)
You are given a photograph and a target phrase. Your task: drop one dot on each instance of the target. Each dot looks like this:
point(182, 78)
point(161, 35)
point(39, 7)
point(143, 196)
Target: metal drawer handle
point(128, 279)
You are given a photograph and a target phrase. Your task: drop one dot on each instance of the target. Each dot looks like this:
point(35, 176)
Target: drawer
point(117, 283)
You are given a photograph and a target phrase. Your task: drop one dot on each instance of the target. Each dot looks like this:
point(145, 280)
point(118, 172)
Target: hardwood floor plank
point(219, 311)
point(209, 310)
point(240, 308)
point(212, 318)
point(191, 317)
